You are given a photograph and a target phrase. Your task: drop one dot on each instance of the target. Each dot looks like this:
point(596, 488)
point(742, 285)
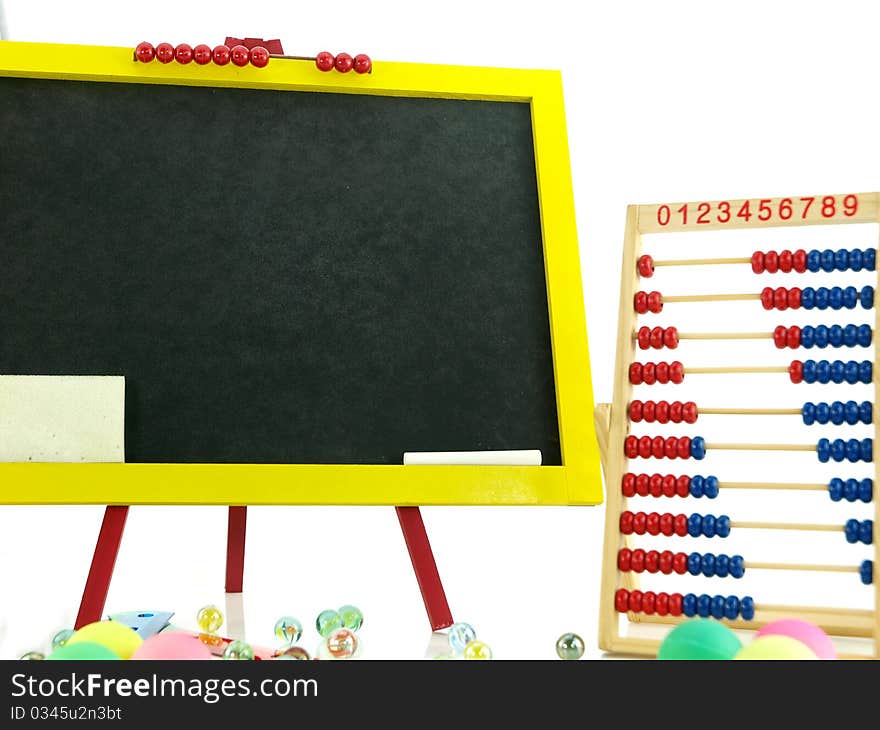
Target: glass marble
point(210, 619)
point(60, 639)
point(288, 629)
point(351, 616)
point(459, 636)
point(295, 653)
point(342, 643)
point(327, 622)
point(477, 650)
point(238, 650)
point(33, 655)
point(569, 646)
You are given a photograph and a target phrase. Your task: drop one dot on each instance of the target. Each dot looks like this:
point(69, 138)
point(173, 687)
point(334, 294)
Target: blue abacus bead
point(838, 450)
point(822, 293)
point(808, 413)
point(865, 336)
point(710, 487)
point(855, 260)
point(731, 608)
point(695, 563)
point(717, 607)
point(695, 525)
point(866, 532)
point(823, 449)
point(704, 605)
point(722, 525)
point(835, 489)
point(809, 371)
point(835, 335)
point(709, 525)
point(869, 259)
point(823, 413)
point(848, 371)
point(808, 333)
point(708, 564)
point(866, 412)
point(866, 572)
point(696, 486)
point(850, 334)
point(866, 490)
point(821, 336)
point(850, 412)
point(853, 450)
point(866, 450)
point(851, 531)
point(836, 413)
point(835, 297)
point(826, 260)
point(866, 297)
point(737, 566)
point(698, 448)
point(722, 566)
point(813, 260)
point(850, 297)
point(747, 608)
point(841, 259)
point(823, 371)
point(808, 297)
point(689, 605)
point(866, 371)
point(851, 490)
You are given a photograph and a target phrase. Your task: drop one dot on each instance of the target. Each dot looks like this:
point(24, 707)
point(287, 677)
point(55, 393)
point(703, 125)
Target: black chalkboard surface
point(282, 277)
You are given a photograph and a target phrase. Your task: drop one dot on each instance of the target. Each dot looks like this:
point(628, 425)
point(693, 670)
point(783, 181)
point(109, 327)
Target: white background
point(664, 101)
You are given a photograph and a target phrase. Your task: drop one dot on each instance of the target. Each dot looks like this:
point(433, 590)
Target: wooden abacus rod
point(709, 297)
point(737, 369)
point(801, 566)
point(793, 610)
point(774, 485)
point(762, 447)
point(751, 411)
point(802, 526)
point(725, 335)
point(702, 262)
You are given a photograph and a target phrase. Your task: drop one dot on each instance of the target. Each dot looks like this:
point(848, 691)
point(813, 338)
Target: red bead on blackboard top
point(220, 55)
point(144, 52)
point(325, 61)
point(183, 53)
point(165, 53)
point(344, 63)
point(362, 63)
point(202, 54)
point(240, 55)
point(259, 56)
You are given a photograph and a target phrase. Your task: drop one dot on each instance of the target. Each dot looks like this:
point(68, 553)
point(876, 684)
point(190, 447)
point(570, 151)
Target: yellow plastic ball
point(477, 649)
point(775, 647)
point(117, 637)
point(210, 619)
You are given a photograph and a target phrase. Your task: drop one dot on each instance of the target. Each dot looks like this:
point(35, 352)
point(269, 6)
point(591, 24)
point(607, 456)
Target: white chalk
point(526, 457)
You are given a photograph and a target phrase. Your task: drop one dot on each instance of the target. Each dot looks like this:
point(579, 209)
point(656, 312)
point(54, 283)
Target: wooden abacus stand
point(612, 420)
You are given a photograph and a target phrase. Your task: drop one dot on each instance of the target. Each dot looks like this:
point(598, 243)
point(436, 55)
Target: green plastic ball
point(238, 651)
point(700, 638)
point(775, 646)
point(82, 650)
point(288, 629)
point(327, 622)
point(352, 618)
point(569, 646)
point(62, 637)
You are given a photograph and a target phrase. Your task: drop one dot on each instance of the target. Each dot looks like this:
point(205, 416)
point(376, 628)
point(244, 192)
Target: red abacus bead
point(767, 298)
point(635, 373)
point(649, 602)
point(183, 53)
point(771, 262)
point(626, 523)
point(144, 52)
point(657, 338)
point(657, 449)
point(259, 56)
point(645, 447)
point(640, 302)
point(202, 54)
point(667, 524)
point(675, 411)
point(680, 563)
point(344, 63)
point(631, 447)
point(780, 298)
point(689, 412)
point(644, 338)
point(643, 485)
point(239, 55)
point(652, 560)
point(668, 489)
point(655, 302)
point(796, 371)
point(624, 557)
point(665, 562)
point(649, 373)
point(671, 447)
point(799, 261)
point(793, 337)
point(649, 411)
point(362, 63)
point(621, 600)
point(635, 411)
point(675, 601)
point(680, 525)
point(758, 262)
point(656, 484)
point(662, 604)
point(676, 372)
point(646, 266)
point(325, 61)
point(628, 485)
point(683, 487)
point(670, 337)
point(779, 336)
point(220, 55)
point(785, 261)
point(165, 53)
point(637, 561)
point(794, 298)
point(635, 601)
point(662, 372)
point(640, 523)
point(684, 447)
point(661, 411)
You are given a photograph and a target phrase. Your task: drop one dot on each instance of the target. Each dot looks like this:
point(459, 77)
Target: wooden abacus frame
point(612, 421)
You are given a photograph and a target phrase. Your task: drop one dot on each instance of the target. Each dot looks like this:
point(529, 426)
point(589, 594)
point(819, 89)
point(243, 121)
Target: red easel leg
point(426, 569)
point(98, 582)
point(235, 549)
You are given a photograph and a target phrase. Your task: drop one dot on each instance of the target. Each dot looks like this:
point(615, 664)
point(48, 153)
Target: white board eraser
point(525, 457)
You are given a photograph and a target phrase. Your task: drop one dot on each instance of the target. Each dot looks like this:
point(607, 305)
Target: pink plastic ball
point(172, 645)
point(808, 634)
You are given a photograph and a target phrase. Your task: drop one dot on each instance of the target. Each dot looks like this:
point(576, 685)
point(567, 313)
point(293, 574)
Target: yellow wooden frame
point(577, 481)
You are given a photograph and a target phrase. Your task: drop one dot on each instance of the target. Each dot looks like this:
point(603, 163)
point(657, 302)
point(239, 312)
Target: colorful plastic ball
point(477, 649)
point(145, 52)
point(808, 634)
point(351, 616)
point(288, 629)
point(32, 656)
point(119, 638)
point(183, 53)
point(362, 63)
point(209, 619)
point(325, 61)
point(202, 54)
point(82, 650)
point(220, 54)
point(775, 647)
point(172, 645)
point(700, 639)
point(569, 646)
point(460, 635)
point(239, 55)
point(294, 653)
point(342, 644)
point(327, 622)
point(238, 651)
point(259, 56)
point(344, 63)
point(165, 53)
point(61, 638)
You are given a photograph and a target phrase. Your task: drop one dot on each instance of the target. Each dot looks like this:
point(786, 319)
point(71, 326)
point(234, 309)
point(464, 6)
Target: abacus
point(633, 490)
